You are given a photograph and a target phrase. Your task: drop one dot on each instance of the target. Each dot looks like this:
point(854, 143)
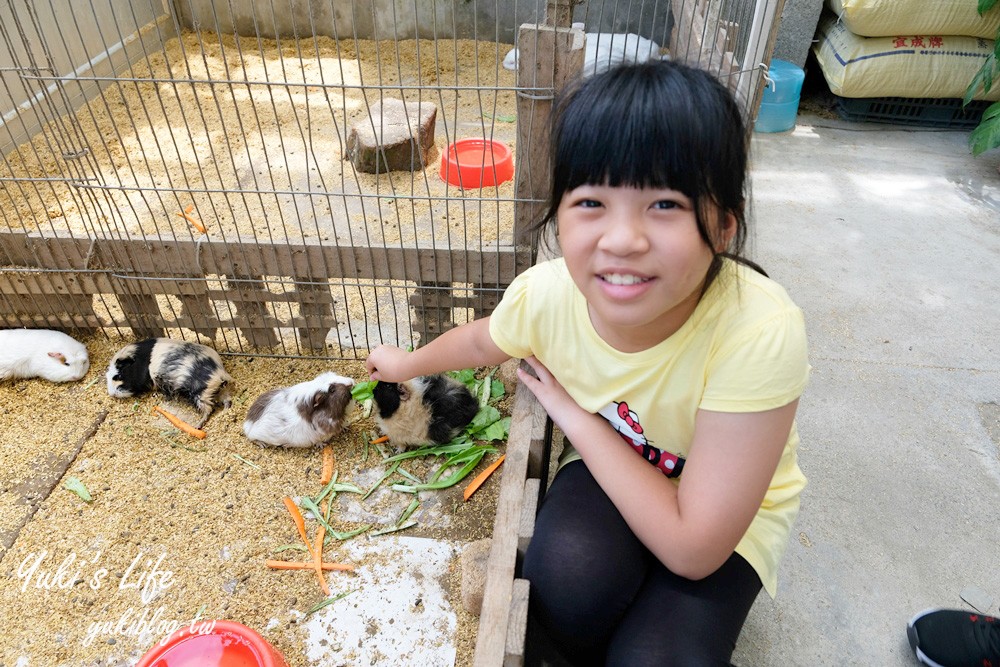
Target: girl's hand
point(387, 363)
point(561, 407)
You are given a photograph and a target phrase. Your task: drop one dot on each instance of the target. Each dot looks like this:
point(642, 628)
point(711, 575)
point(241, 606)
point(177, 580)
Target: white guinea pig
point(302, 415)
point(51, 355)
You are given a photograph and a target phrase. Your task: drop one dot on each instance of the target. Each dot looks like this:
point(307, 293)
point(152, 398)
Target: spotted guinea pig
point(302, 415)
point(176, 369)
point(44, 353)
point(426, 409)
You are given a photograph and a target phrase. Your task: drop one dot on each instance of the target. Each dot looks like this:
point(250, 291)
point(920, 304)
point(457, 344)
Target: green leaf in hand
point(363, 391)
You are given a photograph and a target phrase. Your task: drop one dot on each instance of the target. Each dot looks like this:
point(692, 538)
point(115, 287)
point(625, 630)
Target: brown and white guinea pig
point(426, 409)
point(302, 415)
point(50, 355)
point(176, 369)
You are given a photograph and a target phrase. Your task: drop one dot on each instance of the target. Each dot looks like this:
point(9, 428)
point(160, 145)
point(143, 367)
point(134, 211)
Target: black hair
point(655, 125)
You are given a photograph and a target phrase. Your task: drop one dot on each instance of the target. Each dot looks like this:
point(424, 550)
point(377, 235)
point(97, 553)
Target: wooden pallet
point(52, 280)
point(503, 621)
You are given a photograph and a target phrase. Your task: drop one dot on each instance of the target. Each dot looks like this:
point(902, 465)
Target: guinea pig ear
point(59, 356)
point(404, 392)
point(319, 398)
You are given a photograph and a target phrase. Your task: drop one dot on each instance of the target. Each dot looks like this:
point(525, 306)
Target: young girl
point(672, 366)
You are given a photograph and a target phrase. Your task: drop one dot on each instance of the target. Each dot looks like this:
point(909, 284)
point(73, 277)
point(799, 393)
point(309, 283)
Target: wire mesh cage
point(265, 175)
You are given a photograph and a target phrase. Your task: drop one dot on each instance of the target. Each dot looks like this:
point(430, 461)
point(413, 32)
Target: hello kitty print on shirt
point(626, 423)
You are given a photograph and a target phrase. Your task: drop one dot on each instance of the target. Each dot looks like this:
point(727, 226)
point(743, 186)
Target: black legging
point(598, 596)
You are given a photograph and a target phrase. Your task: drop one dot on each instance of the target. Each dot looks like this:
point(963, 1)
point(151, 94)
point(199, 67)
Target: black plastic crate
point(924, 112)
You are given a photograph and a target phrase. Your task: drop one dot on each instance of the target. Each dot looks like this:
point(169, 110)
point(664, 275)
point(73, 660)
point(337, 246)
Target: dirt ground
point(179, 528)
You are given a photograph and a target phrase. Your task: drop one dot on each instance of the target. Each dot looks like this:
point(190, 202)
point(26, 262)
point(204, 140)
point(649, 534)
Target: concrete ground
point(889, 239)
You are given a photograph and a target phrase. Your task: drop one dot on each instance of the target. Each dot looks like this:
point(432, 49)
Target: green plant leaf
point(79, 488)
point(362, 391)
point(486, 416)
point(983, 77)
point(328, 601)
point(496, 389)
point(466, 376)
point(986, 5)
point(436, 482)
point(498, 430)
point(987, 133)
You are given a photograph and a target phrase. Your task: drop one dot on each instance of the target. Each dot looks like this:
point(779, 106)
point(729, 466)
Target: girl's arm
point(466, 346)
point(694, 526)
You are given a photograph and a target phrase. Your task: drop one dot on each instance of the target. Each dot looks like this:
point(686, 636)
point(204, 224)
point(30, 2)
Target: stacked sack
point(904, 48)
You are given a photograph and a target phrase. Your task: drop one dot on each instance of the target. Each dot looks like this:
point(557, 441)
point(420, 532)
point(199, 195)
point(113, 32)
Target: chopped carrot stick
point(293, 565)
point(300, 523)
point(482, 477)
point(194, 223)
point(327, 465)
point(318, 559)
point(189, 208)
point(181, 424)
point(379, 441)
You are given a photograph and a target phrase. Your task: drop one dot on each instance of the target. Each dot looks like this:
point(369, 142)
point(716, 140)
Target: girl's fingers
point(540, 370)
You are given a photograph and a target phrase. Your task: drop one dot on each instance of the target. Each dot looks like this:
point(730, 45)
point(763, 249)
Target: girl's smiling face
point(638, 257)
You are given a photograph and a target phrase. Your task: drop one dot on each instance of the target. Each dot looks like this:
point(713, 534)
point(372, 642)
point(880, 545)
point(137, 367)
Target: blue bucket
point(780, 103)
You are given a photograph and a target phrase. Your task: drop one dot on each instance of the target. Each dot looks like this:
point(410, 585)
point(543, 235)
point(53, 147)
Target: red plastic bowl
point(477, 163)
point(229, 644)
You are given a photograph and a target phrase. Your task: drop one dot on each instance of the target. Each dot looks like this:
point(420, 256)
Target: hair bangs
point(625, 136)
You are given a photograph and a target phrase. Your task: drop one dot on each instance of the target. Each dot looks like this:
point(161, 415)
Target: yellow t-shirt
point(742, 350)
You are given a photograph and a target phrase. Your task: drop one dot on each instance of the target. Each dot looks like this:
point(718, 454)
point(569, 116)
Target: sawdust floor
point(251, 135)
point(79, 579)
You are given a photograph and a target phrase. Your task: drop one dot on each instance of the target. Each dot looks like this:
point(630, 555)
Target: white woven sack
point(888, 18)
point(935, 66)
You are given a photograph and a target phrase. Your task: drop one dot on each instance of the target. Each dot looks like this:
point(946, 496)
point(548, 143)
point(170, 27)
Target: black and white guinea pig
point(44, 353)
point(176, 369)
point(426, 409)
point(302, 415)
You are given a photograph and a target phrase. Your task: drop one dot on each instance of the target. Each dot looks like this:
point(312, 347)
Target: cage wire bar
point(182, 168)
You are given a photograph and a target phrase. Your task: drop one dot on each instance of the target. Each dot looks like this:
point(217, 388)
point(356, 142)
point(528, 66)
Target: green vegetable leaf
point(496, 389)
point(395, 529)
point(362, 391)
point(328, 601)
point(79, 488)
point(498, 430)
point(486, 416)
point(986, 5)
point(466, 376)
point(471, 461)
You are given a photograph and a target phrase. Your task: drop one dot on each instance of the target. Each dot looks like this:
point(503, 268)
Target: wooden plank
point(62, 311)
point(142, 314)
point(517, 624)
point(21, 249)
point(163, 256)
point(60, 321)
point(36, 283)
point(529, 508)
point(548, 57)
point(199, 309)
point(527, 418)
point(316, 311)
point(253, 319)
